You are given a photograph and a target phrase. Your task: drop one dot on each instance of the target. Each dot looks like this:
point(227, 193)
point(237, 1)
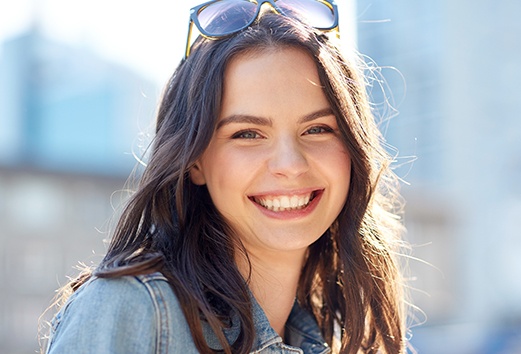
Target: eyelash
point(323, 130)
point(241, 134)
point(319, 129)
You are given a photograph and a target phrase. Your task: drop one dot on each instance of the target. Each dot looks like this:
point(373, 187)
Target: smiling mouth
point(285, 202)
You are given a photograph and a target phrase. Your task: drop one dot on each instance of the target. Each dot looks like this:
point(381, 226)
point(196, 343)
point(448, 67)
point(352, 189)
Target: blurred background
point(79, 86)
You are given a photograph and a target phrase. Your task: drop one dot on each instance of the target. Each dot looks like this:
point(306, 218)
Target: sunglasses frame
point(194, 12)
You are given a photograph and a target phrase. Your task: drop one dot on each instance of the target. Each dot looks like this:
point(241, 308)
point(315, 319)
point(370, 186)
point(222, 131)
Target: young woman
point(264, 221)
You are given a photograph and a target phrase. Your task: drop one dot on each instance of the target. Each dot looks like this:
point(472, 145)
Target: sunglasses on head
point(220, 18)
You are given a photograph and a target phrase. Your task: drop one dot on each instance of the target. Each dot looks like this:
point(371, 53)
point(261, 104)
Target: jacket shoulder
point(129, 314)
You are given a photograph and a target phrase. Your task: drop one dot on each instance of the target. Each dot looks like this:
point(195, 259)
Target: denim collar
point(302, 332)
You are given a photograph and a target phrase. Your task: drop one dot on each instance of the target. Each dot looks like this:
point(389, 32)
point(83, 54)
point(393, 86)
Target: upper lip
point(285, 193)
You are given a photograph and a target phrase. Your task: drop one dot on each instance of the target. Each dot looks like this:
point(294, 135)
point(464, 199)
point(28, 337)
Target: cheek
point(226, 173)
point(339, 170)
point(344, 176)
point(236, 163)
point(334, 159)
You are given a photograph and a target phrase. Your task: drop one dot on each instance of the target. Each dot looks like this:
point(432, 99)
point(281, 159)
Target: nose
point(288, 159)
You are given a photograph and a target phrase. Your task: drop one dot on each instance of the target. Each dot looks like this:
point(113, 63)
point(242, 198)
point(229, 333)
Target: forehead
point(272, 59)
point(273, 80)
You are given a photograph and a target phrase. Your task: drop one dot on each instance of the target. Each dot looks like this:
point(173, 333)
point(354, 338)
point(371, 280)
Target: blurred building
point(456, 88)
point(70, 124)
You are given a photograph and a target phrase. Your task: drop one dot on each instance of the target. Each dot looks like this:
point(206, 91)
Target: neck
point(273, 281)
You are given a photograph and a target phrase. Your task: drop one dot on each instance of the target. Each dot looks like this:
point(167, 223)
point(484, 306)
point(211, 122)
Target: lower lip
point(291, 214)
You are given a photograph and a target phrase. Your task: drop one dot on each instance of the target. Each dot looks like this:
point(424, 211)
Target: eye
point(318, 130)
point(246, 134)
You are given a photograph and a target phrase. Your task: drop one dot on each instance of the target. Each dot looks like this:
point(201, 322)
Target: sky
point(148, 36)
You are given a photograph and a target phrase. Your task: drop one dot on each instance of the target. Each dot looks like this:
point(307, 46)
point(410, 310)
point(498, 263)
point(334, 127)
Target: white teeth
point(294, 201)
point(284, 203)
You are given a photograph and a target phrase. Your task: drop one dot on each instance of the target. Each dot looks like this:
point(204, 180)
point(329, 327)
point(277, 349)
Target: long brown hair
point(351, 279)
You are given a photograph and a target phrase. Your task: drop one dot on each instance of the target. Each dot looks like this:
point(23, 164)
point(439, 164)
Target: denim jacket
point(141, 314)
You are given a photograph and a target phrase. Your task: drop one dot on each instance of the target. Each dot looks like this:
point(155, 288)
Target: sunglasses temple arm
point(188, 38)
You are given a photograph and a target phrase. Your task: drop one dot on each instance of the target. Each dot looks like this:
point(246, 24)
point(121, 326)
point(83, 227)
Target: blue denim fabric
point(141, 314)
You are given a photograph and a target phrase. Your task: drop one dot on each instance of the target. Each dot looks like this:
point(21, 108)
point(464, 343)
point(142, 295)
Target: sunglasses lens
point(316, 13)
point(224, 17)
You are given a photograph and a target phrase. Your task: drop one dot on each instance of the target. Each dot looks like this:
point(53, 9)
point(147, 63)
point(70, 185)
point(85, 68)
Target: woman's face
point(276, 168)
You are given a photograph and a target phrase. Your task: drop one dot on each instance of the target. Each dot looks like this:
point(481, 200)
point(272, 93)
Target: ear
point(197, 175)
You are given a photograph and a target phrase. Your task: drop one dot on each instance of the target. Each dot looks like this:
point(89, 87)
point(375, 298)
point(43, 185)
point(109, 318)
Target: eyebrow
point(245, 118)
point(315, 115)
